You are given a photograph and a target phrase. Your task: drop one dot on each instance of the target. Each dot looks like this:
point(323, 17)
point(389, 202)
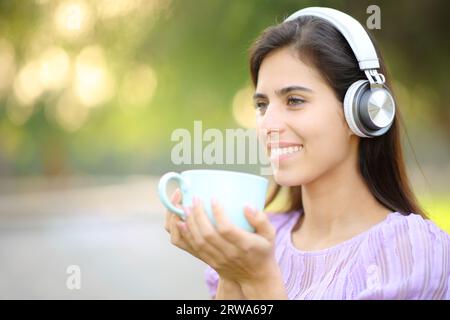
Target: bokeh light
point(243, 110)
point(115, 8)
point(27, 86)
point(54, 68)
point(69, 113)
point(93, 83)
point(73, 18)
point(7, 65)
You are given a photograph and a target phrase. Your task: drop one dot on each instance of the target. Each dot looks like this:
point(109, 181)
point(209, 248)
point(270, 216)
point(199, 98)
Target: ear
point(349, 131)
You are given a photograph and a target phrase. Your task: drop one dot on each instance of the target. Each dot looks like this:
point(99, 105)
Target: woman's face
point(308, 123)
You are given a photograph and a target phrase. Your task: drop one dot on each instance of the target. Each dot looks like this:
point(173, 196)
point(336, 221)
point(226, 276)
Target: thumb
point(260, 221)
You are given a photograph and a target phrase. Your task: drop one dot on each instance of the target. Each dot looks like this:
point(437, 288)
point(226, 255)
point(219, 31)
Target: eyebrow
point(283, 91)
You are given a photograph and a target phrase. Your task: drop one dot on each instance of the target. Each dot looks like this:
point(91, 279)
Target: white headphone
point(369, 107)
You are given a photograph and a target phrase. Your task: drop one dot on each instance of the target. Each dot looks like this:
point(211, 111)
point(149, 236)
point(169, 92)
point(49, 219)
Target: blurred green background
point(97, 87)
point(90, 91)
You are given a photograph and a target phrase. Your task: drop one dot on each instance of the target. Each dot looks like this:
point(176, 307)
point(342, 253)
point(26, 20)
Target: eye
point(260, 106)
point(293, 101)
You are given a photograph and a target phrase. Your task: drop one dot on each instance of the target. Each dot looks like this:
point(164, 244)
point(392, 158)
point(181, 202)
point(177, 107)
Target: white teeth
point(286, 150)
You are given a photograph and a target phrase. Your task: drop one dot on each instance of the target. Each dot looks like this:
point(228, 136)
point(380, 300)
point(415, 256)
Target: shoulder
point(415, 231)
point(413, 257)
point(420, 241)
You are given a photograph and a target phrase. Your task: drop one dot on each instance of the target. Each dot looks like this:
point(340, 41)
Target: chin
point(287, 179)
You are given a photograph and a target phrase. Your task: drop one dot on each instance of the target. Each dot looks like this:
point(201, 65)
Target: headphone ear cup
point(369, 113)
point(351, 107)
point(376, 110)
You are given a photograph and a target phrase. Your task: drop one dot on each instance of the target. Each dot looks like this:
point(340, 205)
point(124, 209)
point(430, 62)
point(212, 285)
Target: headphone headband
point(351, 29)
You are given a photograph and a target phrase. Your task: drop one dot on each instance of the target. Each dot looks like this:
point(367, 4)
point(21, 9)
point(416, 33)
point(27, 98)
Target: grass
point(438, 209)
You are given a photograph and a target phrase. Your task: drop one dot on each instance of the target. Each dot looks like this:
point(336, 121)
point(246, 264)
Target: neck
point(339, 205)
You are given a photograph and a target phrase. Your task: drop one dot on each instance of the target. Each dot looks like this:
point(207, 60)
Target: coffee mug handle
point(162, 191)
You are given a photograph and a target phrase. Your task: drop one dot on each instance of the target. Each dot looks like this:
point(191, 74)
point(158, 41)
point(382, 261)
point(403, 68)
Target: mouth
point(284, 151)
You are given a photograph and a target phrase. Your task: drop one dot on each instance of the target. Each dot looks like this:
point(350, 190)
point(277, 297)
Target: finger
point(226, 229)
point(198, 241)
point(185, 235)
point(199, 251)
point(173, 230)
point(259, 221)
point(172, 220)
point(175, 199)
point(176, 234)
point(209, 232)
point(204, 255)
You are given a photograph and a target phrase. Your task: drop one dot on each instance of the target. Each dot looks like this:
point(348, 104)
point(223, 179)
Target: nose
point(271, 122)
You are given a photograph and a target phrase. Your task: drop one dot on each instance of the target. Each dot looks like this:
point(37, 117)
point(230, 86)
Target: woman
point(353, 229)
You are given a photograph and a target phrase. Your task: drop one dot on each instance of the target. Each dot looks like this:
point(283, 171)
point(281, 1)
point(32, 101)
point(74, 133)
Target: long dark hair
point(319, 44)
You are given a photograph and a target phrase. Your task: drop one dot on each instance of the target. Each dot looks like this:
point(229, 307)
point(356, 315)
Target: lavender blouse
point(402, 257)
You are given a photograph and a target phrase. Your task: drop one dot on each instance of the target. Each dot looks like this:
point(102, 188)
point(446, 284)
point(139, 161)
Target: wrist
point(267, 286)
point(228, 284)
point(229, 289)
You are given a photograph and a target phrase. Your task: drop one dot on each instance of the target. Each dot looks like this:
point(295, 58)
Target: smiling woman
point(326, 63)
point(353, 228)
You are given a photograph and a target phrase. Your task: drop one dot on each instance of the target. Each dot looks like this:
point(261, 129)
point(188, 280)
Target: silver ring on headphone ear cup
point(377, 110)
point(369, 112)
point(349, 110)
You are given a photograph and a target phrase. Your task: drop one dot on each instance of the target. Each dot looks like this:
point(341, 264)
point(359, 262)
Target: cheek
point(326, 147)
point(261, 136)
point(328, 144)
point(326, 139)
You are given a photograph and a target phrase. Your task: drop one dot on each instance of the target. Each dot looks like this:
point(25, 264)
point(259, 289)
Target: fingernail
point(194, 201)
point(187, 211)
point(251, 209)
point(214, 202)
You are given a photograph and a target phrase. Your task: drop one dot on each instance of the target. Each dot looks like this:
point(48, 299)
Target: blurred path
point(114, 233)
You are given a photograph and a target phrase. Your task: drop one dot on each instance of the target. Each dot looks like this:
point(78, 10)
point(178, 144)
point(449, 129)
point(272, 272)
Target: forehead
point(283, 67)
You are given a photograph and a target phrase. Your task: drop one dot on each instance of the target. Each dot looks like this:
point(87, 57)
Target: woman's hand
point(237, 255)
point(171, 222)
point(227, 289)
point(182, 238)
point(232, 252)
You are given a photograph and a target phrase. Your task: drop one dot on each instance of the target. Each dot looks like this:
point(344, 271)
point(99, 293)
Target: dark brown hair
point(319, 44)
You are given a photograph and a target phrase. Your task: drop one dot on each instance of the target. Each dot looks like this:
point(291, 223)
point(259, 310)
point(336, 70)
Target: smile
point(285, 151)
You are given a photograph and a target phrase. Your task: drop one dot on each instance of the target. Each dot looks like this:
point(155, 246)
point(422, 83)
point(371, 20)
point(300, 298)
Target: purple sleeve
point(418, 264)
point(212, 281)
point(448, 289)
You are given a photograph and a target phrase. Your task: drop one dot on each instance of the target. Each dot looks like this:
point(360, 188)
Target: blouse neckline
point(336, 247)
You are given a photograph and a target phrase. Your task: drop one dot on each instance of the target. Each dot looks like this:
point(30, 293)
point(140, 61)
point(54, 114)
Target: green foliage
point(198, 52)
